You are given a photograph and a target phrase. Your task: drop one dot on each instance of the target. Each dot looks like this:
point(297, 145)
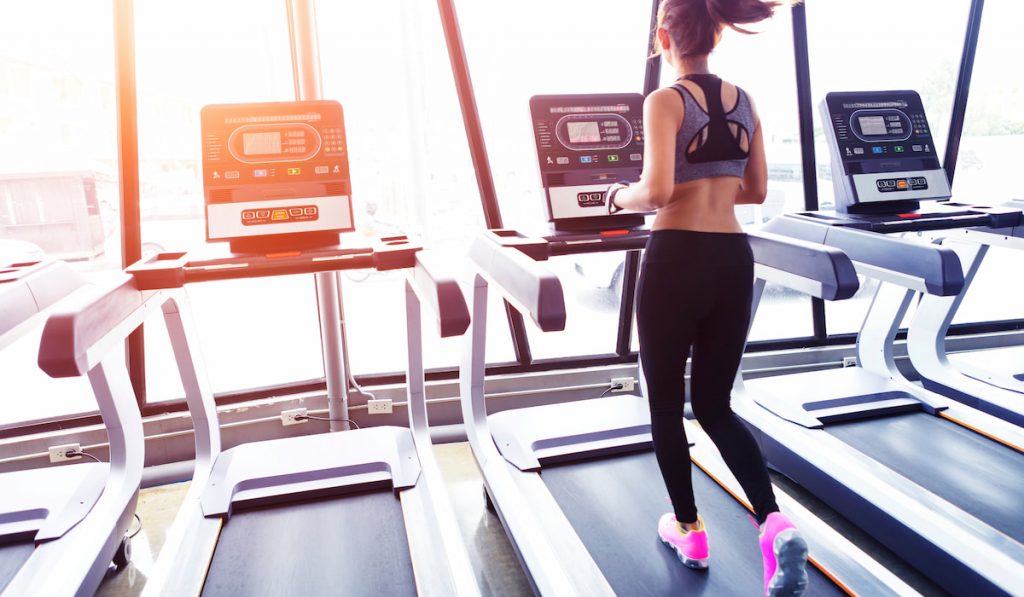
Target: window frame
point(131, 229)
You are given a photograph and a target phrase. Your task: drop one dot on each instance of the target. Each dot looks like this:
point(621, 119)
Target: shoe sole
point(691, 563)
point(790, 578)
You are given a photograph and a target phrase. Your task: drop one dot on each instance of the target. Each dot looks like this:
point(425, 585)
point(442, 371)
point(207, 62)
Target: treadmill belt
point(976, 474)
point(614, 505)
point(348, 545)
point(12, 557)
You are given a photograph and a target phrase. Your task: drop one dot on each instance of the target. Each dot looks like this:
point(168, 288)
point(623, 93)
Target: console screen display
point(261, 143)
point(584, 132)
point(872, 125)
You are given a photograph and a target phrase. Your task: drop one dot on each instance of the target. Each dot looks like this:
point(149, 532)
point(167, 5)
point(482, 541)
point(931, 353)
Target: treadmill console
point(883, 156)
point(585, 143)
point(275, 172)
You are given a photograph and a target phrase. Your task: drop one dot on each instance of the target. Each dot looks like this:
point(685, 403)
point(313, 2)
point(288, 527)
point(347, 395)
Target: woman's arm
point(754, 187)
point(663, 113)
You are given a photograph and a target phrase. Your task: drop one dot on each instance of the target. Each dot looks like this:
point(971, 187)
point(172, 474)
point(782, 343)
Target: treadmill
point(997, 385)
point(361, 511)
point(61, 527)
point(934, 480)
point(576, 484)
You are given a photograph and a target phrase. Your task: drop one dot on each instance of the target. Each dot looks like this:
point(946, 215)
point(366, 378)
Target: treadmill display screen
point(261, 143)
point(873, 125)
point(584, 132)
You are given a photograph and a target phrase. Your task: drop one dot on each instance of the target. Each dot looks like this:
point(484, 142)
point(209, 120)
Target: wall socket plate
point(60, 453)
point(379, 407)
point(293, 416)
point(627, 383)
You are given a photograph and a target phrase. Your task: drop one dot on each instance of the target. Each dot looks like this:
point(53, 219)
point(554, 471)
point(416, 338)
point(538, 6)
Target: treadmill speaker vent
point(337, 188)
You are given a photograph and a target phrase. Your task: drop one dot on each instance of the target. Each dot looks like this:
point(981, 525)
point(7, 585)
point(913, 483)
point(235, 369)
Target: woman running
point(703, 155)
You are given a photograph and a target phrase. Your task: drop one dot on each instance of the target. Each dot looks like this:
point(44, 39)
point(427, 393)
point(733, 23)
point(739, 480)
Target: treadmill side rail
point(544, 563)
point(926, 337)
point(959, 550)
point(830, 551)
point(77, 562)
point(440, 561)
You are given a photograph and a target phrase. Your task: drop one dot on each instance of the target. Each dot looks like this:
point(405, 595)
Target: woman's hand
point(613, 189)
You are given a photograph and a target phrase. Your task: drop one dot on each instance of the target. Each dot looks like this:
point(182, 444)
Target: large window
point(523, 49)
point(990, 150)
point(876, 45)
point(411, 171)
point(189, 54)
point(58, 169)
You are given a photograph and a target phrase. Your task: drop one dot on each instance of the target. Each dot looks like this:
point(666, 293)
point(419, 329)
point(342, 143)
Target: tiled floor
point(492, 556)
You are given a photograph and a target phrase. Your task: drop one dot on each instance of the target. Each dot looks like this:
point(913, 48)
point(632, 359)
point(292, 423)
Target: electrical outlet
point(627, 383)
point(849, 362)
point(60, 453)
point(379, 407)
point(293, 416)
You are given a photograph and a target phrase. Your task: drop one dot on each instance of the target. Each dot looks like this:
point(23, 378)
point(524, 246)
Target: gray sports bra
point(717, 151)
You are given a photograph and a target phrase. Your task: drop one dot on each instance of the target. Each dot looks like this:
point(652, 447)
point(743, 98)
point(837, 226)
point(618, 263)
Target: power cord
point(136, 531)
point(73, 453)
point(349, 421)
point(613, 387)
point(359, 388)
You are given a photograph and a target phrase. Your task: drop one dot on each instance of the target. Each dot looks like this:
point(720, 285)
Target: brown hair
point(694, 25)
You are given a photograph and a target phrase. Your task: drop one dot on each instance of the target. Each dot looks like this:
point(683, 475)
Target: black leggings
point(695, 290)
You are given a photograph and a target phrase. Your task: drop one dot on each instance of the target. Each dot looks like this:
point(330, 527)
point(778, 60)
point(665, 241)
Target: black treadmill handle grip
point(73, 331)
point(827, 266)
point(938, 267)
point(526, 284)
point(27, 291)
point(437, 288)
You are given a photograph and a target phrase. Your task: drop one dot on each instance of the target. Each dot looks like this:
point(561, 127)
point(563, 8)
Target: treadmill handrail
point(829, 267)
point(439, 291)
point(926, 268)
point(27, 291)
point(79, 334)
point(527, 285)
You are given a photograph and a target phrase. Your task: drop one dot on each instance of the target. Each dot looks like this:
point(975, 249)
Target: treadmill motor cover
point(275, 168)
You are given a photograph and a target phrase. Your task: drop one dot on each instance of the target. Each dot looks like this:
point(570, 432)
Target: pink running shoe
point(785, 557)
point(691, 547)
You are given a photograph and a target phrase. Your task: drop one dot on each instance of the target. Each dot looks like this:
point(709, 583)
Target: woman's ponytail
point(694, 25)
point(731, 13)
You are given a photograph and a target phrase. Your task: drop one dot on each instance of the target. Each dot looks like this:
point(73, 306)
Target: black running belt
point(12, 557)
point(350, 545)
point(614, 505)
point(978, 475)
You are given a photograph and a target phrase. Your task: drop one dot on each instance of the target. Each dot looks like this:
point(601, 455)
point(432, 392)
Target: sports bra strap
point(712, 88)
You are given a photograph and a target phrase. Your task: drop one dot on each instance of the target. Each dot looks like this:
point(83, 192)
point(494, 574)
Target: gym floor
point(497, 568)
